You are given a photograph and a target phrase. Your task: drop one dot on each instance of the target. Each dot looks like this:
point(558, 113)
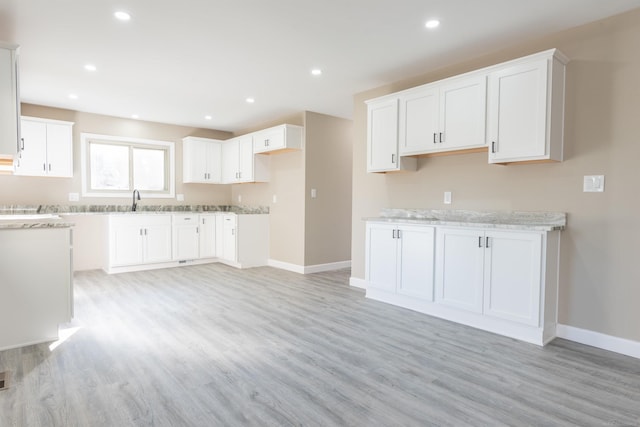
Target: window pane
point(109, 167)
point(148, 169)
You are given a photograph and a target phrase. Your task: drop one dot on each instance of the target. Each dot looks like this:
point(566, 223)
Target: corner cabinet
point(9, 101)
point(201, 160)
point(240, 165)
point(278, 139)
point(46, 148)
point(382, 138)
point(526, 109)
point(502, 281)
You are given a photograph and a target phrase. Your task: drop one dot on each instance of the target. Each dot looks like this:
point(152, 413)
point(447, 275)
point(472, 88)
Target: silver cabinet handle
point(434, 138)
point(393, 158)
point(479, 241)
point(493, 147)
point(440, 137)
point(393, 234)
point(486, 242)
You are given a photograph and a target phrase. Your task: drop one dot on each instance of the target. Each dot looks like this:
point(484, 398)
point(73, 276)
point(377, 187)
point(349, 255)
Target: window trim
point(85, 139)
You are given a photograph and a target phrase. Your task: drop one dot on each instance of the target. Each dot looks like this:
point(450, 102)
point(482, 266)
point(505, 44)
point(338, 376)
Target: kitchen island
point(36, 278)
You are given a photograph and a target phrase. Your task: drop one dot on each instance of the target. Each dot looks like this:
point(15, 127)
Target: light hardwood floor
point(211, 345)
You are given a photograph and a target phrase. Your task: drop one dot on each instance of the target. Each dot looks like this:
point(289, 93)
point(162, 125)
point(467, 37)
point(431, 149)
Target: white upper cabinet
point(382, 138)
point(278, 139)
point(445, 116)
point(46, 148)
point(239, 164)
point(201, 160)
point(526, 109)
point(9, 100)
point(515, 109)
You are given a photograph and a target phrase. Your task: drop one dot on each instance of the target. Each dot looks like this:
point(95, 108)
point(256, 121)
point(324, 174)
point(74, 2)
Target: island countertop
point(33, 221)
point(513, 220)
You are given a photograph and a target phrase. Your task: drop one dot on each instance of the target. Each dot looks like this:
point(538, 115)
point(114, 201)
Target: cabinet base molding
point(530, 334)
point(599, 340)
point(308, 269)
point(356, 282)
point(171, 264)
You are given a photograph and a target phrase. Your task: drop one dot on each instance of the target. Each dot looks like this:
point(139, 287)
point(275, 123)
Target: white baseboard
point(309, 268)
point(319, 268)
point(357, 283)
point(599, 340)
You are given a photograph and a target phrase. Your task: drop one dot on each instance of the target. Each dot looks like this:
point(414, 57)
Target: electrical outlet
point(275, 199)
point(239, 198)
point(180, 197)
point(314, 193)
point(74, 197)
point(593, 184)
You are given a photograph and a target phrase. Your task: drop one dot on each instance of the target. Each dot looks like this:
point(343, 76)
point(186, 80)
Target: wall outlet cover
point(74, 197)
point(593, 184)
point(180, 197)
point(447, 197)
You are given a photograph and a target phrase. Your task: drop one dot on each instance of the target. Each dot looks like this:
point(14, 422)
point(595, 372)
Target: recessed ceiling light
point(208, 117)
point(73, 96)
point(316, 72)
point(250, 100)
point(121, 15)
point(135, 116)
point(90, 67)
point(432, 23)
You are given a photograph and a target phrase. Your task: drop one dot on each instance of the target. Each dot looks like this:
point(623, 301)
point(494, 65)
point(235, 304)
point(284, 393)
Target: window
point(115, 166)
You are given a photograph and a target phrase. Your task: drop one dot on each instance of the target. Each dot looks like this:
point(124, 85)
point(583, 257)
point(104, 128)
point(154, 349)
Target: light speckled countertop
point(536, 221)
point(47, 216)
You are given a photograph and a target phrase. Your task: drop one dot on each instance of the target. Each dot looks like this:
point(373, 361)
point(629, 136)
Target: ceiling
point(179, 61)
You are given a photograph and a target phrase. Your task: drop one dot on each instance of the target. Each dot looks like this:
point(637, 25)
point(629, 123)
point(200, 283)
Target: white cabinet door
point(201, 160)
point(9, 101)
point(207, 235)
point(382, 138)
point(269, 140)
point(47, 148)
point(518, 112)
point(512, 276)
point(459, 268)
point(279, 138)
point(157, 239)
point(245, 159)
point(416, 258)
point(230, 161)
point(219, 235)
point(419, 120)
point(186, 239)
point(382, 259)
point(125, 242)
point(463, 112)
point(59, 150)
point(229, 238)
point(32, 159)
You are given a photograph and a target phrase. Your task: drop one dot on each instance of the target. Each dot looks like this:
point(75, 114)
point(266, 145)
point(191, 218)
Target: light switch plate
point(180, 197)
point(74, 197)
point(314, 193)
point(447, 197)
point(593, 184)
point(275, 199)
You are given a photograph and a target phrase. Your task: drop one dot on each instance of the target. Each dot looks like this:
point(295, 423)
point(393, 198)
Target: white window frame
point(85, 138)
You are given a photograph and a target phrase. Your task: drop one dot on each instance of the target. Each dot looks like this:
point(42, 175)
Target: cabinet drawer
point(185, 219)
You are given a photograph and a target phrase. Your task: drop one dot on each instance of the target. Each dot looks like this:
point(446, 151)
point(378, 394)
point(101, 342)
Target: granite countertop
point(537, 221)
point(32, 221)
point(48, 216)
point(142, 209)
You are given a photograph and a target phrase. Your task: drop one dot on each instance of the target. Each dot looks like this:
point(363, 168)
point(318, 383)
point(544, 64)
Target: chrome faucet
point(134, 206)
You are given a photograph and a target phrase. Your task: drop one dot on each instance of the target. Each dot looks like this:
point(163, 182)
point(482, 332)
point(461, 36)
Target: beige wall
point(306, 232)
point(329, 145)
point(38, 190)
point(599, 277)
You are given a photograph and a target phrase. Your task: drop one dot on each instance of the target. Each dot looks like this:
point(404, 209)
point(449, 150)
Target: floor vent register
point(4, 380)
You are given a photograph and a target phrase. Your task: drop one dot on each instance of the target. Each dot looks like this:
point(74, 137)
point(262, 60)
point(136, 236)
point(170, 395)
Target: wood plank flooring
point(210, 345)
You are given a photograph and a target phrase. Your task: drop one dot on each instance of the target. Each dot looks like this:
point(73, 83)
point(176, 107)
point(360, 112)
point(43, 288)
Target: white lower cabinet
point(208, 235)
point(139, 239)
point(400, 259)
point(186, 238)
point(142, 242)
point(503, 281)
